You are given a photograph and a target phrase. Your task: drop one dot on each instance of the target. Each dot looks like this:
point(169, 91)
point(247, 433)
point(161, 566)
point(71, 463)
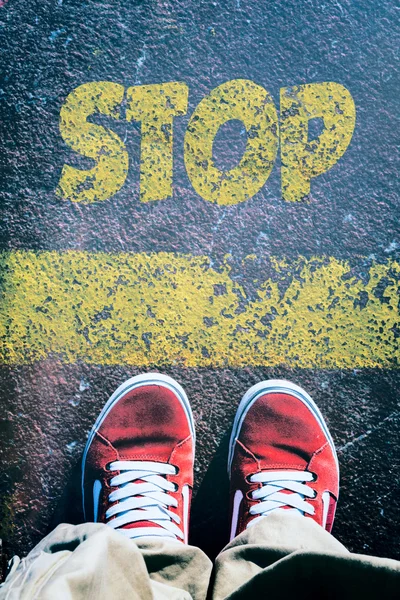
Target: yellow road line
point(163, 309)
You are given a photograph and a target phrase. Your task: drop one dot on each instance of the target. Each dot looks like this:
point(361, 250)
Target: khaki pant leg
point(289, 556)
point(94, 562)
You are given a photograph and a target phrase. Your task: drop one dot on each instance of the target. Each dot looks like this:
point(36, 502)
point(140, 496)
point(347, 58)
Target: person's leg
point(92, 561)
point(284, 488)
point(137, 477)
point(288, 556)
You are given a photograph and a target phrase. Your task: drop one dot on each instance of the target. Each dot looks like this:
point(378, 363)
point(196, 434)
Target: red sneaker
point(137, 467)
point(281, 456)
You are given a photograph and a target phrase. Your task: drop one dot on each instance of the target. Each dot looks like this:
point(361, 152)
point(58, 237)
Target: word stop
point(155, 107)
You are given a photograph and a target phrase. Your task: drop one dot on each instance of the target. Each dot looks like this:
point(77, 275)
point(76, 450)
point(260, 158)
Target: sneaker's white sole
point(126, 387)
point(274, 386)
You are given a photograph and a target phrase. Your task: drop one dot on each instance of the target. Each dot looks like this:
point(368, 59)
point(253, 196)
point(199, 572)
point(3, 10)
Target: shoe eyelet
point(177, 469)
point(315, 495)
point(176, 487)
point(315, 476)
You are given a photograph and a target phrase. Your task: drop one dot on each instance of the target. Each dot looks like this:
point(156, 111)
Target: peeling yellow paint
point(303, 159)
point(93, 141)
point(163, 309)
point(156, 106)
point(250, 103)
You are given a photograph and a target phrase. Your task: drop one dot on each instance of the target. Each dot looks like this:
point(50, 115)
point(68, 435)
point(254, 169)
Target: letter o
point(250, 103)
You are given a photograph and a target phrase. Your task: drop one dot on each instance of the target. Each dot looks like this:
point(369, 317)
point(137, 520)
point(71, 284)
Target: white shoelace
point(272, 497)
point(146, 500)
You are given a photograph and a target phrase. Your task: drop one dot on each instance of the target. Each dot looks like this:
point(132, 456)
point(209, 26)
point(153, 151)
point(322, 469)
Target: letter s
point(93, 141)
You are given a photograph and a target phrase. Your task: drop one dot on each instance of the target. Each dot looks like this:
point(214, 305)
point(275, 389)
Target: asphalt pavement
point(210, 190)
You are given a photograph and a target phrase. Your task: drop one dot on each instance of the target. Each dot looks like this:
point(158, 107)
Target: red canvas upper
point(281, 433)
point(147, 423)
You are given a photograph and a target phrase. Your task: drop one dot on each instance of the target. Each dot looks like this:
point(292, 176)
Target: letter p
point(303, 159)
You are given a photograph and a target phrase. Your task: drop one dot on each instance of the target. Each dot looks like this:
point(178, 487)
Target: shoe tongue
point(289, 509)
point(287, 506)
point(140, 524)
